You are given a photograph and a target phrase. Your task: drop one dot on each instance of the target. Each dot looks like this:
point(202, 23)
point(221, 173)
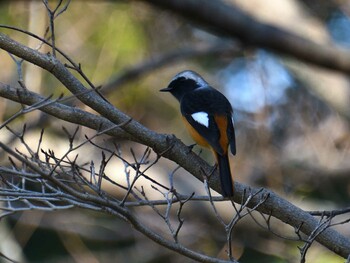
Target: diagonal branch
point(224, 19)
point(178, 152)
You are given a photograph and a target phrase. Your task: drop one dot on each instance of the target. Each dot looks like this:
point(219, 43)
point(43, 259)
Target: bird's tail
point(225, 175)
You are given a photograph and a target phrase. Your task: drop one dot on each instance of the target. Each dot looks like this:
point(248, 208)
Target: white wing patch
point(202, 118)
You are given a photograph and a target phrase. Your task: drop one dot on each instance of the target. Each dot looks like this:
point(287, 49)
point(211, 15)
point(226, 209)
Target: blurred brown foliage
point(298, 147)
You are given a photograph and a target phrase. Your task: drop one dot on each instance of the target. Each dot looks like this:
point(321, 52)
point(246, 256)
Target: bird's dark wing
point(231, 136)
point(211, 134)
point(200, 109)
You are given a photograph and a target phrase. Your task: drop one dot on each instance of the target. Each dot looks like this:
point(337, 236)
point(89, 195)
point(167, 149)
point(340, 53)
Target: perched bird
point(207, 114)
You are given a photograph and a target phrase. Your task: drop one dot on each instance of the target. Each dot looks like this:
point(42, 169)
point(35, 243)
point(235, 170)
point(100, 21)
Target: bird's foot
point(190, 147)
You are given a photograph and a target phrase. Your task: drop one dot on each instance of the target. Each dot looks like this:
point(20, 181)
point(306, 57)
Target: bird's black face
point(180, 86)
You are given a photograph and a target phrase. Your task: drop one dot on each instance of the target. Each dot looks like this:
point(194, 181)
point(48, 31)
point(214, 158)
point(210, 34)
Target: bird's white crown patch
point(189, 74)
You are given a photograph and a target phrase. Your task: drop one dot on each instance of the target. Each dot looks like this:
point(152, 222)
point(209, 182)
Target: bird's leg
point(190, 147)
point(213, 170)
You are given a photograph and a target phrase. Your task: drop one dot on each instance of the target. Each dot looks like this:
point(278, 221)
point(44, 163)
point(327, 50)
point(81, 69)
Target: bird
point(207, 115)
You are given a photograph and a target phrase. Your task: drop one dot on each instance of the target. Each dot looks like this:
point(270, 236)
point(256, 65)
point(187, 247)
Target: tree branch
point(99, 203)
point(175, 150)
point(64, 112)
point(221, 18)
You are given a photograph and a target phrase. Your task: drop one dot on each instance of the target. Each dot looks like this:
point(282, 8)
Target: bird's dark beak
point(165, 89)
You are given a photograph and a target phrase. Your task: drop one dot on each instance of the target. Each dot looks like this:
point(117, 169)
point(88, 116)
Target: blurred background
point(291, 119)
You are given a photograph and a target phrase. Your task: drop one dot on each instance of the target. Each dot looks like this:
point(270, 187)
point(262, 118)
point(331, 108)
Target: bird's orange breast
point(195, 135)
point(221, 122)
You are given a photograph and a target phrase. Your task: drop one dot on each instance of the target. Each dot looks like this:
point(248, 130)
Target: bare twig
point(25, 110)
point(57, 109)
point(331, 213)
point(323, 225)
point(88, 201)
point(19, 63)
point(269, 228)
point(166, 146)
point(52, 15)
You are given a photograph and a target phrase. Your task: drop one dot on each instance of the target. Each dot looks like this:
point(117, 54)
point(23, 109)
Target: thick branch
point(176, 151)
point(64, 112)
point(224, 19)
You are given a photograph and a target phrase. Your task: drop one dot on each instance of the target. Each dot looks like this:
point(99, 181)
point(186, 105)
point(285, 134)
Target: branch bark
point(64, 112)
point(173, 149)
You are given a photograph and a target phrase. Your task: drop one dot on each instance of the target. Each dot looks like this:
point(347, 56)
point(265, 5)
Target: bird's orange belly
point(195, 135)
